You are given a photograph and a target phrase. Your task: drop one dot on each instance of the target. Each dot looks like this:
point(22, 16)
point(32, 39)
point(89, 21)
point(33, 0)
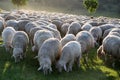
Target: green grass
point(27, 69)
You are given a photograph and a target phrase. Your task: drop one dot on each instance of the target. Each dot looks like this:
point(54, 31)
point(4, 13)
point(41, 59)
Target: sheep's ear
point(65, 67)
point(39, 68)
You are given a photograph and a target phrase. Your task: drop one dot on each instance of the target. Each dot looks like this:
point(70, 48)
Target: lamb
point(19, 45)
point(49, 53)
point(7, 36)
point(39, 38)
point(67, 38)
point(74, 28)
point(96, 33)
point(71, 53)
point(86, 27)
point(111, 47)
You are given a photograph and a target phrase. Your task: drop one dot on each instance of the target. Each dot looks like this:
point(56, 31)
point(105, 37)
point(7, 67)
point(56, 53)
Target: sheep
point(7, 36)
point(19, 44)
point(55, 32)
point(12, 23)
point(48, 54)
point(58, 23)
point(115, 30)
point(111, 47)
point(64, 28)
point(86, 27)
point(70, 53)
point(74, 28)
point(106, 32)
point(87, 42)
point(96, 33)
point(52, 26)
point(105, 27)
point(67, 38)
point(22, 24)
point(32, 33)
point(39, 37)
point(109, 31)
point(29, 26)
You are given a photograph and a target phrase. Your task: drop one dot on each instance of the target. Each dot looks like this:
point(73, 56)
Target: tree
point(90, 5)
point(19, 3)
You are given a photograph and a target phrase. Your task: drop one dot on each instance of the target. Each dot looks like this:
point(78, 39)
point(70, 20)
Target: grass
point(27, 69)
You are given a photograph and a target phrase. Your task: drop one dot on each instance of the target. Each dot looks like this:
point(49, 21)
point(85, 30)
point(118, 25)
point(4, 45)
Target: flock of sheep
point(57, 38)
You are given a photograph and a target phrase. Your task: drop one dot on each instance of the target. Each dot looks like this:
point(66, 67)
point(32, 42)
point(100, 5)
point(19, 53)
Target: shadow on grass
point(27, 69)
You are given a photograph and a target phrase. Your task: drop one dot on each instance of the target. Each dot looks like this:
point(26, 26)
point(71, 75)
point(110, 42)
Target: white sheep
point(67, 38)
point(96, 33)
point(74, 28)
point(22, 24)
point(106, 26)
point(19, 44)
point(64, 28)
point(29, 26)
point(49, 52)
point(87, 42)
point(55, 32)
point(86, 27)
point(71, 52)
point(32, 33)
point(39, 37)
point(7, 36)
point(110, 46)
point(12, 23)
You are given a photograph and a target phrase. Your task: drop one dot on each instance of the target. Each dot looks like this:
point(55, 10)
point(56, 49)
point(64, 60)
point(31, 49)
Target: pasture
point(27, 69)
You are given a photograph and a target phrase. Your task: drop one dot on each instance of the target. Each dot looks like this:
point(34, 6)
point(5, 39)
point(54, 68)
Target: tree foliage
point(90, 5)
point(19, 3)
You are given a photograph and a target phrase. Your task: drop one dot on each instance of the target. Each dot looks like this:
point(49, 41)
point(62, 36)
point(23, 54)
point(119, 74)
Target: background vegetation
point(105, 8)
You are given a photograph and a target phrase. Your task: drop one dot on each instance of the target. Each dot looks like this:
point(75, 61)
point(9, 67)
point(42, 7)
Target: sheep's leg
point(78, 61)
point(86, 59)
point(70, 66)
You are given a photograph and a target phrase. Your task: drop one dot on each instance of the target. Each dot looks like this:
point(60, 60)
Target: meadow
point(27, 69)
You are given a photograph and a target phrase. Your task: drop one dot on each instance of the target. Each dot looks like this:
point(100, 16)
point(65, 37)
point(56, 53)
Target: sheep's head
point(100, 53)
point(45, 66)
point(60, 66)
point(17, 54)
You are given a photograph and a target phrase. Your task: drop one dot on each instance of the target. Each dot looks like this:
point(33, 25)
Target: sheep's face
point(100, 53)
point(60, 66)
point(45, 65)
point(17, 54)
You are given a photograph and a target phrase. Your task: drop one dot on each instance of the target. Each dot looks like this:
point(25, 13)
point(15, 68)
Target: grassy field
point(27, 69)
